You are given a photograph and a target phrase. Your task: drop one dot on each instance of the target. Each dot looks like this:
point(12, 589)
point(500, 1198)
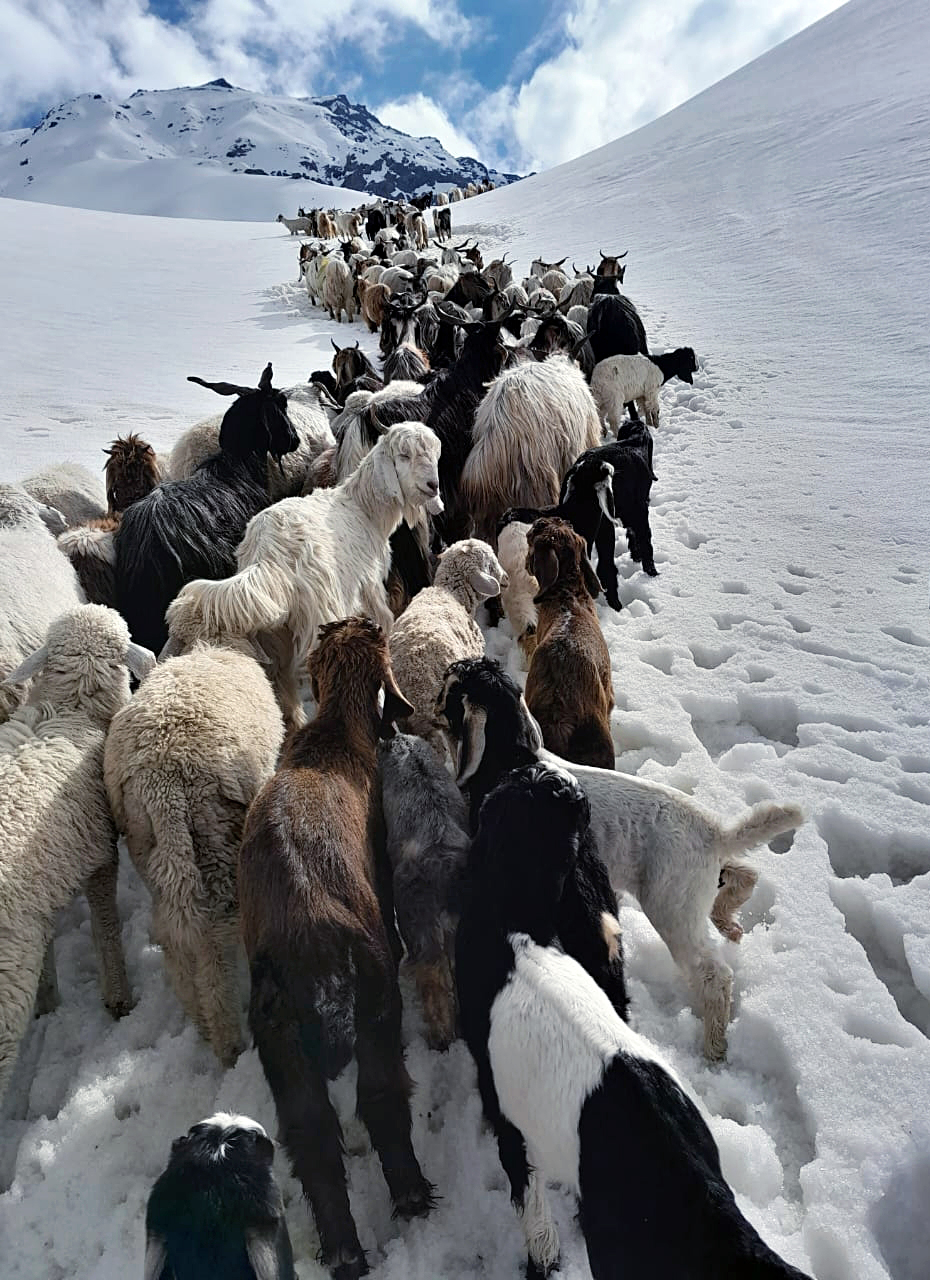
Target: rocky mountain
point(317, 140)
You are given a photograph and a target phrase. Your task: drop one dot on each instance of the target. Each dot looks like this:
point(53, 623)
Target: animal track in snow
point(733, 587)
point(708, 656)
point(689, 537)
point(726, 621)
point(912, 790)
point(907, 635)
point(800, 572)
point(801, 625)
point(794, 588)
point(855, 849)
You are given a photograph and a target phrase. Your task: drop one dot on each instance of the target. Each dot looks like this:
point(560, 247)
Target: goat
point(539, 268)
point(678, 860)
point(568, 687)
point(635, 380)
point(350, 364)
point(216, 1211)
point(317, 921)
point(338, 290)
point(630, 456)
point(611, 265)
point(190, 528)
point(442, 222)
point(296, 226)
point(572, 1093)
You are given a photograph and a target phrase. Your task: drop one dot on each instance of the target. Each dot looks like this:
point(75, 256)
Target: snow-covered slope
point(778, 223)
point(167, 151)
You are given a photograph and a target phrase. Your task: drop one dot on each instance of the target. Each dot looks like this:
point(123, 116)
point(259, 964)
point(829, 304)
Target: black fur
point(631, 456)
point(190, 528)
point(509, 743)
point(614, 326)
point(217, 1197)
point(405, 363)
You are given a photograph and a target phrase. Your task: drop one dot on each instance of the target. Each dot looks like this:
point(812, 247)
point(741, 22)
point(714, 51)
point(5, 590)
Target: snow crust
point(777, 223)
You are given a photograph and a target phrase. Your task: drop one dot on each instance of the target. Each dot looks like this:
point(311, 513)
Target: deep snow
point(778, 223)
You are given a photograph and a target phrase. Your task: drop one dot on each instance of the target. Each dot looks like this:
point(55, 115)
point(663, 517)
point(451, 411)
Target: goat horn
point(602, 253)
point(356, 344)
point(560, 261)
point(623, 255)
point(335, 347)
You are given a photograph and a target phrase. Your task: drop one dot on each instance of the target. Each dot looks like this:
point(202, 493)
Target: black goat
point(448, 405)
point(399, 324)
point(190, 528)
point(350, 364)
point(615, 327)
point(631, 457)
point(470, 290)
point(376, 221)
point(216, 1212)
point(490, 733)
point(586, 501)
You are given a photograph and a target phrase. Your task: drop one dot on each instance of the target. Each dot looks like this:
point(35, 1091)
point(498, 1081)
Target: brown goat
point(568, 686)
point(131, 472)
point(318, 925)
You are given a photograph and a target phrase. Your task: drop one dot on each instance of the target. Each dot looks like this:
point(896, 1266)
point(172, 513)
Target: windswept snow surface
point(779, 225)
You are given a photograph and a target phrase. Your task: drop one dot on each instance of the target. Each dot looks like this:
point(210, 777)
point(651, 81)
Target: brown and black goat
point(131, 472)
point(568, 686)
point(318, 925)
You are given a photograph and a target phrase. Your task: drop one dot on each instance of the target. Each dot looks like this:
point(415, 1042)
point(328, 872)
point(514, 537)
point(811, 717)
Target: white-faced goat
point(296, 226)
point(572, 1093)
point(682, 863)
point(635, 380)
point(426, 825)
point(216, 1211)
point(318, 926)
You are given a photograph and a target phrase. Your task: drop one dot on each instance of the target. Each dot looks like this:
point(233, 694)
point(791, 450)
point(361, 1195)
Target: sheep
point(489, 734)
point(635, 379)
point(216, 1212)
point(678, 860)
point(132, 471)
point(317, 921)
point(586, 502)
point(58, 833)
point(573, 1094)
point(37, 583)
point(568, 688)
point(630, 456)
point(191, 527)
point(182, 764)
point(285, 475)
point(439, 626)
point(296, 226)
point(306, 561)
point(530, 427)
point(338, 290)
point(70, 489)
point(426, 828)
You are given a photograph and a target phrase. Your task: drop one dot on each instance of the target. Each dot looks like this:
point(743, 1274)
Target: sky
point(521, 86)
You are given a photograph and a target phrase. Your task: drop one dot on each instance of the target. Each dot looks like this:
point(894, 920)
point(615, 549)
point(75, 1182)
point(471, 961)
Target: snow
point(777, 223)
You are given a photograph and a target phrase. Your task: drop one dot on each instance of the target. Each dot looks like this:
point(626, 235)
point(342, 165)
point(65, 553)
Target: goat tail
point(761, 824)
point(255, 599)
point(171, 868)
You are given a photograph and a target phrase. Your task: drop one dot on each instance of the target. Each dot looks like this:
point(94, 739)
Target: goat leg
point(100, 891)
point(605, 542)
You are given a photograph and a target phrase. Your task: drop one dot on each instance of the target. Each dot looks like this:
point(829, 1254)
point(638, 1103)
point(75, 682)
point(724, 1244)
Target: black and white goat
point(188, 529)
point(630, 458)
point(216, 1212)
point(572, 1093)
point(635, 380)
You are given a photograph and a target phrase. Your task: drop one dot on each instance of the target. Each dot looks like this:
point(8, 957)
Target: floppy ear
point(396, 706)
point(140, 660)
point(389, 474)
point(544, 568)
point(52, 518)
point(590, 578)
point(170, 649)
point(156, 1258)
point(530, 734)
point(28, 667)
point(472, 743)
point(483, 583)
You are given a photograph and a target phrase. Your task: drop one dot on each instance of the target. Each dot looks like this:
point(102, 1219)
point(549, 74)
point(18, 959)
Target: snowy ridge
point(94, 152)
point(778, 224)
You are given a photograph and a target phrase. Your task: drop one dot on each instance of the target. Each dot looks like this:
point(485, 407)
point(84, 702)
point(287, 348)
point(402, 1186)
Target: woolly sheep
point(426, 830)
point(37, 583)
point(58, 832)
point(183, 762)
point(285, 478)
point(625, 379)
point(71, 489)
point(306, 561)
point(438, 627)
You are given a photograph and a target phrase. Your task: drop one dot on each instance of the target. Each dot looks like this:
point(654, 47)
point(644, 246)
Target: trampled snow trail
point(782, 652)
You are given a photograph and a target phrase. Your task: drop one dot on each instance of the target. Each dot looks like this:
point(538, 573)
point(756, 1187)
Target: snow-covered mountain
point(779, 224)
point(83, 151)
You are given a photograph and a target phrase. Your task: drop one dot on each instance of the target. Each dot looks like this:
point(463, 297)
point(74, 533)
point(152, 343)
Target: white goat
point(70, 489)
point(296, 226)
point(338, 289)
point(306, 561)
point(58, 833)
point(620, 379)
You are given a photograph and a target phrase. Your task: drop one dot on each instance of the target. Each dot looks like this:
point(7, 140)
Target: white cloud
point(421, 116)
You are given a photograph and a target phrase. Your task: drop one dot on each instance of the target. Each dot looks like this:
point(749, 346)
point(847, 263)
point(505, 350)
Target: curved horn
point(335, 347)
point(356, 344)
point(560, 261)
point(602, 253)
point(623, 255)
point(264, 382)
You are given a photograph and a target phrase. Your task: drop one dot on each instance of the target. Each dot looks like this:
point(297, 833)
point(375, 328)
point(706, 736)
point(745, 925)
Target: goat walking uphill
point(318, 925)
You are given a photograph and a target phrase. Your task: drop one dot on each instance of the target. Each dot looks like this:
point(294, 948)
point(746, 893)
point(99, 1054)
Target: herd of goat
point(346, 532)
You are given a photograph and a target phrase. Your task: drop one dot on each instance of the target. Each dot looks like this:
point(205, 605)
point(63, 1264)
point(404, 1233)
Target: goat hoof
point(651, 570)
point(416, 1202)
point(534, 1271)
point(119, 1008)
point(351, 1268)
point(615, 603)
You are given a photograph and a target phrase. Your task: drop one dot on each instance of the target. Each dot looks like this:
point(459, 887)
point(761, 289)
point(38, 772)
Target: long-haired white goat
point(530, 427)
point(306, 561)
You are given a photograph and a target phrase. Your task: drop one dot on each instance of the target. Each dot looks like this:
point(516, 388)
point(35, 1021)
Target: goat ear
point(396, 706)
point(483, 583)
point(591, 580)
point(472, 743)
point(27, 669)
point(156, 1263)
point(531, 736)
point(52, 518)
point(170, 649)
point(544, 568)
point(139, 660)
point(222, 388)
